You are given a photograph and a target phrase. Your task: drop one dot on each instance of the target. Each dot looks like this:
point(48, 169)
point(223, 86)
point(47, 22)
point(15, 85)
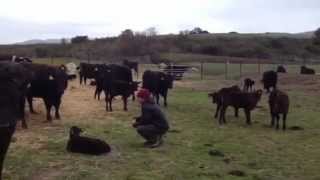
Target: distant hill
point(303, 35)
point(41, 41)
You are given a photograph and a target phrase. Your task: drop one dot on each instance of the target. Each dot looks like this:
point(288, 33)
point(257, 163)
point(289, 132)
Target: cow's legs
point(277, 123)
point(236, 112)
point(85, 80)
point(248, 118)
point(125, 103)
point(29, 98)
point(48, 105)
point(165, 99)
point(133, 97)
point(22, 113)
point(272, 119)
point(222, 118)
point(107, 101)
point(284, 118)
point(157, 98)
point(110, 102)
point(57, 108)
point(217, 110)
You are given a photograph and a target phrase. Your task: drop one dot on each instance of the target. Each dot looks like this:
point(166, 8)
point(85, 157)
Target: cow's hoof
point(47, 121)
point(24, 126)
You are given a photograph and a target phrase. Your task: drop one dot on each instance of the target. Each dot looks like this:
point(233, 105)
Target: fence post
point(51, 60)
point(201, 70)
point(240, 69)
point(226, 68)
point(259, 66)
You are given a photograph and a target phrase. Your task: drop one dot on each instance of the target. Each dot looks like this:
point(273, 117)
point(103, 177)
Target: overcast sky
point(43, 19)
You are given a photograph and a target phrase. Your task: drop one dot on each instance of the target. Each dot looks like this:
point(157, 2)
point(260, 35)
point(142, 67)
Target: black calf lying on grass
point(279, 104)
point(248, 85)
point(86, 145)
point(217, 98)
point(247, 101)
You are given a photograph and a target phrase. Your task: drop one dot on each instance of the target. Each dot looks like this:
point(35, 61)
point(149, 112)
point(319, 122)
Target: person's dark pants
point(149, 132)
point(5, 138)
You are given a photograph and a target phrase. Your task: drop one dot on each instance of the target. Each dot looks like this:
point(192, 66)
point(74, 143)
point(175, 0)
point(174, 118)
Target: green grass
point(261, 152)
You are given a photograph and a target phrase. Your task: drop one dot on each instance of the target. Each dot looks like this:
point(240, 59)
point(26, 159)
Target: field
point(258, 151)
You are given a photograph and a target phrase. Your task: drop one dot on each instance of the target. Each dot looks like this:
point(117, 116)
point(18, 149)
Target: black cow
point(306, 70)
point(269, 80)
point(117, 81)
point(48, 83)
point(246, 100)
point(13, 80)
point(248, 85)
point(279, 104)
point(176, 71)
point(131, 65)
point(281, 69)
point(157, 83)
point(86, 71)
point(217, 98)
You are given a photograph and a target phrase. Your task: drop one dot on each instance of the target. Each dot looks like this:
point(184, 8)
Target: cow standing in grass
point(48, 83)
point(86, 71)
point(248, 85)
point(269, 80)
point(279, 104)
point(158, 84)
point(281, 69)
point(247, 101)
point(217, 98)
point(116, 81)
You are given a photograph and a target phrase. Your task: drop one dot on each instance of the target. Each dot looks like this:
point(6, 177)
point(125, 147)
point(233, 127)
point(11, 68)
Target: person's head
point(143, 95)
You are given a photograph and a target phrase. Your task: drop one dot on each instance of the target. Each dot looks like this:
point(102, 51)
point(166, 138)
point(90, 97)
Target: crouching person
point(152, 124)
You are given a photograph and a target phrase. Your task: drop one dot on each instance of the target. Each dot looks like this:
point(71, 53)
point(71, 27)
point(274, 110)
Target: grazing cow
point(217, 98)
point(176, 71)
point(279, 104)
point(157, 83)
point(48, 83)
point(248, 85)
point(13, 79)
point(86, 145)
point(281, 69)
point(131, 65)
point(117, 81)
point(86, 71)
point(306, 70)
point(246, 100)
point(269, 79)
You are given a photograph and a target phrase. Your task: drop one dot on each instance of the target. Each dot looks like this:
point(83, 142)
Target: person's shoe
point(148, 143)
point(157, 143)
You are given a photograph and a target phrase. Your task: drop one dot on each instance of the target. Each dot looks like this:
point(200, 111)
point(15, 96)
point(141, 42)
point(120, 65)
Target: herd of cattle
point(49, 83)
point(247, 99)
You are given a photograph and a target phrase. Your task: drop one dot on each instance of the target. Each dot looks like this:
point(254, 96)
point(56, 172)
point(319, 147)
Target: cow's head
point(134, 86)
point(75, 131)
point(214, 97)
point(168, 80)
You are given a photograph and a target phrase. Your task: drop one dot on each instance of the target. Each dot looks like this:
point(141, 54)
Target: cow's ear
point(51, 77)
point(162, 78)
point(95, 69)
